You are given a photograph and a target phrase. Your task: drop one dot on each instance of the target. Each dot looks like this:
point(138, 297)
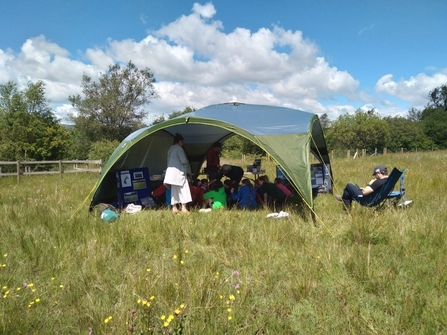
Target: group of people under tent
point(180, 192)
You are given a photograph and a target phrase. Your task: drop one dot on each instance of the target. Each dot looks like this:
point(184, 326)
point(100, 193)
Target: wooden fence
point(364, 154)
point(50, 167)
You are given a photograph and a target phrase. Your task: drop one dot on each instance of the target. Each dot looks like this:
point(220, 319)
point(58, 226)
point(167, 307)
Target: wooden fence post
point(18, 171)
point(348, 154)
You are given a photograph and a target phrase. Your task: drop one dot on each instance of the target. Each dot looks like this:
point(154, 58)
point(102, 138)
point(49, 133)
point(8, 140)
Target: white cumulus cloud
point(197, 63)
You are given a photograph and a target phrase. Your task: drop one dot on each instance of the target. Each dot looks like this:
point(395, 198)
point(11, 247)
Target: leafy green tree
point(113, 107)
point(237, 145)
point(102, 150)
point(438, 98)
point(29, 129)
point(435, 126)
point(325, 122)
point(407, 134)
point(79, 144)
point(361, 130)
point(174, 114)
point(414, 115)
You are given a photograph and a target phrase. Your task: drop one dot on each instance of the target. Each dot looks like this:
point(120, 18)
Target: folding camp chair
point(397, 198)
point(386, 196)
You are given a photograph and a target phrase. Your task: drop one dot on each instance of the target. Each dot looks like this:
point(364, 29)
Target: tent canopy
point(288, 135)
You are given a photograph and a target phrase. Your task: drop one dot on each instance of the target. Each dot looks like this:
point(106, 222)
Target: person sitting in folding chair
point(356, 193)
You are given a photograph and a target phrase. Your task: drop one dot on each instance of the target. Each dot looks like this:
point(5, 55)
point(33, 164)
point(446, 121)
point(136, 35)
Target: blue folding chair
point(386, 196)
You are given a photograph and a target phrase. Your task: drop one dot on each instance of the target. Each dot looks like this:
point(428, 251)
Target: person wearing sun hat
point(356, 193)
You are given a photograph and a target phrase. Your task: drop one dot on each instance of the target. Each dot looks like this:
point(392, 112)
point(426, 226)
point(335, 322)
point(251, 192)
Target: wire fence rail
point(29, 168)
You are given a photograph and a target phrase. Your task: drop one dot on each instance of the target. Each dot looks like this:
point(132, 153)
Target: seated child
point(216, 197)
point(287, 192)
point(245, 196)
point(273, 196)
point(228, 185)
point(196, 193)
point(162, 196)
point(201, 191)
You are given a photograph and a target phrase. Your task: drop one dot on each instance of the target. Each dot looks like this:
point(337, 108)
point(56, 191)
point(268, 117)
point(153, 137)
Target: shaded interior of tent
point(289, 136)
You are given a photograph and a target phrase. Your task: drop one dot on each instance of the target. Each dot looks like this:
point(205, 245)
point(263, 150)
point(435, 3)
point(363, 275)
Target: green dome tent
point(288, 135)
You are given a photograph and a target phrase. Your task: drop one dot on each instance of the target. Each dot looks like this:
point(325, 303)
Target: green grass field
point(65, 271)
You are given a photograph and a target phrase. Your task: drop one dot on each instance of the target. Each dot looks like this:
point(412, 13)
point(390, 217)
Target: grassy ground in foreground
point(64, 271)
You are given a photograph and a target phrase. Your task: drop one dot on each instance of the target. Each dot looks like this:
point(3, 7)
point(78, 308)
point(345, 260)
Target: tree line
point(113, 106)
point(424, 129)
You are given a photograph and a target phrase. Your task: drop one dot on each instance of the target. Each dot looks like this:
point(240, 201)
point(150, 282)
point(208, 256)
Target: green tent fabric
point(288, 135)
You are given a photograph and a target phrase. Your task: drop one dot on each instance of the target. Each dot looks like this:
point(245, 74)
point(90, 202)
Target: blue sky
point(320, 56)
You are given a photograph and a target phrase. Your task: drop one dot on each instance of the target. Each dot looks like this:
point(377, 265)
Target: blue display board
point(133, 186)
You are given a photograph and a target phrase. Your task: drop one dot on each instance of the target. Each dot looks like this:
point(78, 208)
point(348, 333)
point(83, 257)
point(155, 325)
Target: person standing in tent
point(176, 176)
point(213, 162)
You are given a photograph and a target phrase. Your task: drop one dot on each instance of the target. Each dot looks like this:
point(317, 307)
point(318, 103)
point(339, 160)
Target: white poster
point(125, 179)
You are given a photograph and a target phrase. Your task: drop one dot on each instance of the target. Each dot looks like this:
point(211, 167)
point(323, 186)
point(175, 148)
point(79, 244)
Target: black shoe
point(338, 197)
point(346, 208)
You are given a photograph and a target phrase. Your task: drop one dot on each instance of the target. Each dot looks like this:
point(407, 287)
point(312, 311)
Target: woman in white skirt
point(176, 176)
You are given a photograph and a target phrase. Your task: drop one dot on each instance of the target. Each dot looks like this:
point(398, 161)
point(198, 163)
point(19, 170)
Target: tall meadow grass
point(65, 271)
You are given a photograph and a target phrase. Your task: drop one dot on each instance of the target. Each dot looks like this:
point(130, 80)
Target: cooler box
point(133, 186)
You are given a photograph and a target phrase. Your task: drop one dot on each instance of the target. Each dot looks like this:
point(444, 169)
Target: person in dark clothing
point(213, 162)
point(272, 196)
point(356, 193)
point(234, 173)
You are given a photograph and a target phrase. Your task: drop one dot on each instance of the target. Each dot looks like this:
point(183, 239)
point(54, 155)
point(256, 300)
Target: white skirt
point(180, 194)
